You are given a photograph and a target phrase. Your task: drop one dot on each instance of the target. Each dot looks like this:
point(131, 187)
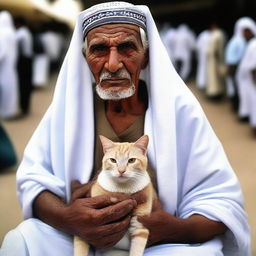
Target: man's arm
point(165, 228)
point(254, 75)
point(101, 221)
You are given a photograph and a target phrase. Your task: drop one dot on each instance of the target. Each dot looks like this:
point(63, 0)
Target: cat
point(124, 170)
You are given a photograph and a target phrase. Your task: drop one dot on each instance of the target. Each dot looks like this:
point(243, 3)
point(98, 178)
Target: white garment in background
point(41, 66)
point(53, 44)
point(168, 38)
point(215, 64)
point(25, 41)
point(41, 70)
point(184, 44)
point(202, 45)
point(247, 86)
point(193, 173)
point(8, 70)
point(236, 46)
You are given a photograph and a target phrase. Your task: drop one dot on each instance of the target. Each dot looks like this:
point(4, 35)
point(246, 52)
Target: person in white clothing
point(54, 42)
point(200, 208)
point(184, 45)
point(243, 74)
point(247, 72)
point(25, 53)
point(8, 70)
point(41, 60)
point(202, 45)
point(168, 38)
point(215, 87)
point(234, 52)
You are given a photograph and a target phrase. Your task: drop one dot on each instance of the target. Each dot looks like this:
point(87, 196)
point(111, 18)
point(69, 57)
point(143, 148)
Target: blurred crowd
point(29, 53)
point(224, 67)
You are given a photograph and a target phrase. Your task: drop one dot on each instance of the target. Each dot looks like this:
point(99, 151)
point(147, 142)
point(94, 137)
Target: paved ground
point(236, 138)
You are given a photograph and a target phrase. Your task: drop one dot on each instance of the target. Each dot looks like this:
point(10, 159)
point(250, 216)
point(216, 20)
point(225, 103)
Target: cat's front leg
point(139, 237)
point(81, 248)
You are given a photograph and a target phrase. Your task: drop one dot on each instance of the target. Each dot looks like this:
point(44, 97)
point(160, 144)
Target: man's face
point(115, 56)
point(247, 34)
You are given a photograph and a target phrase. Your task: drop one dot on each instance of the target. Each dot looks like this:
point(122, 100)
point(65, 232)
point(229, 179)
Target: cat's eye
point(131, 160)
point(113, 160)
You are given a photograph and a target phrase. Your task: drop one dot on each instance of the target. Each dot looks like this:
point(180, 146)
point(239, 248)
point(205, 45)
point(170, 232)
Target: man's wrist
point(182, 233)
point(195, 229)
point(51, 209)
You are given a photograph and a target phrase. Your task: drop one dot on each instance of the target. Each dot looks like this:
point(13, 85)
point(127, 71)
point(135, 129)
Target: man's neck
point(123, 113)
point(130, 106)
point(135, 105)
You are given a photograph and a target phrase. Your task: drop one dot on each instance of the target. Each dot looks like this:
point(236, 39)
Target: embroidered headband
point(113, 13)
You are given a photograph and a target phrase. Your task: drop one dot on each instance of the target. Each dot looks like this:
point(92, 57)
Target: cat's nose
point(121, 171)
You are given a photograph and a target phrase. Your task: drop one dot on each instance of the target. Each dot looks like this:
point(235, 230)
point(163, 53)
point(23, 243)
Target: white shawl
point(193, 173)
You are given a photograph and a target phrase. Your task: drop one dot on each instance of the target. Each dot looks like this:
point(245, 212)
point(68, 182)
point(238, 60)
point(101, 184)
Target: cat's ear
point(106, 143)
point(142, 143)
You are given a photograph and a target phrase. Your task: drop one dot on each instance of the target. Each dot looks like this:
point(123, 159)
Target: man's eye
point(99, 48)
point(126, 46)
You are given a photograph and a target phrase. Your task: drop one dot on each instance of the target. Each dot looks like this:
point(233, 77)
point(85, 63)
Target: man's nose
point(114, 62)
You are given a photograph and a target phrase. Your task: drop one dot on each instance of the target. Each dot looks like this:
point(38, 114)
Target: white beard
point(108, 94)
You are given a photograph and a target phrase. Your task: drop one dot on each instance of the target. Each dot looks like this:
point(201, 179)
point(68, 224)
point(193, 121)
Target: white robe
point(168, 39)
point(24, 38)
point(184, 44)
point(247, 86)
point(193, 173)
point(8, 71)
point(41, 66)
point(236, 47)
point(202, 45)
point(53, 44)
point(215, 64)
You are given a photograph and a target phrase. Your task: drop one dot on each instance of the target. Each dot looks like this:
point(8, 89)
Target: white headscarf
point(243, 23)
point(237, 44)
point(193, 174)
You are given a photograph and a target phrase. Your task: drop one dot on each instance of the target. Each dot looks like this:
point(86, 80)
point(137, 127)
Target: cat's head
point(125, 162)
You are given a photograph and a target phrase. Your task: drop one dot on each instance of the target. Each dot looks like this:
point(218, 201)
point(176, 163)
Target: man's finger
point(75, 184)
point(157, 205)
point(99, 202)
point(117, 211)
point(80, 190)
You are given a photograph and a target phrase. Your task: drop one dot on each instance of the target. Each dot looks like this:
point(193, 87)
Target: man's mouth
point(114, 82)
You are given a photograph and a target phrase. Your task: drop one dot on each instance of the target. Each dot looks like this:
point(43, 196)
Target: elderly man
point(201, 210)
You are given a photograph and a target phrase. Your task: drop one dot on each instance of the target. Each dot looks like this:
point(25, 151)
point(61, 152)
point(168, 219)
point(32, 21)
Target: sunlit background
point(60, 16)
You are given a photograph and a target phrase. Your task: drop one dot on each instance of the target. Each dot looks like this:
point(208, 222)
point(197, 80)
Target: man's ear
point(146, 59)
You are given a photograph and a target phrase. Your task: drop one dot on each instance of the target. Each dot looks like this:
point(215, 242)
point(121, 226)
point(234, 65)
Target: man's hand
point(101, 221)
point(106, 218)
point(165, 228)
point(158, 223)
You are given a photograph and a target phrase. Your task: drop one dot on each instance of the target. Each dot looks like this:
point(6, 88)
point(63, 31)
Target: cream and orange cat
point(124, 170)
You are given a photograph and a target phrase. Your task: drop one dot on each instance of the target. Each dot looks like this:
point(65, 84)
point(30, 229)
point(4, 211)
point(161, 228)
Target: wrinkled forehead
point(113, 13)
point(114, 31)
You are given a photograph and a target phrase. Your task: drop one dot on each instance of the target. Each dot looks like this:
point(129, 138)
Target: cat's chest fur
point(145, 195)
point(109, 184)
